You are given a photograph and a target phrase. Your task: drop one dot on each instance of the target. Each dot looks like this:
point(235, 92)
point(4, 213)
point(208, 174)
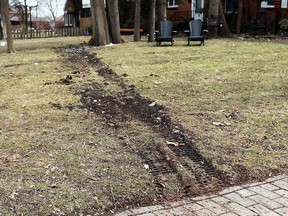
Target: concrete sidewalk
point(269, 198)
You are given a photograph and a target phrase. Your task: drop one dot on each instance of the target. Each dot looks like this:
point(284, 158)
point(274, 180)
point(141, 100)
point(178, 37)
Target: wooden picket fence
point(64, 32)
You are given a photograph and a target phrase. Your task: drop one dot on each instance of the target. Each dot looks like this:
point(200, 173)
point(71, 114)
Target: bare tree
point(152, 20)
point(4, 11)
point(137, 19)
point(113, 21)
point(52, 6)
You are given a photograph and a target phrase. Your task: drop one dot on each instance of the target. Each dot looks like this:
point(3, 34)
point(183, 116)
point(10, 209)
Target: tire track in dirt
point(178, 154)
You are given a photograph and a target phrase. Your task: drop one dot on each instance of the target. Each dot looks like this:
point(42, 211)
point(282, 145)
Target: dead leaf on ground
point(162, 184)
point(152, 104)
point(154, 75)
point(13, 158)
point(219, 124)
point(233, 115)
point(162, 181)
point(175, 143)
point(13, 195)
point(164, 178)
point(146, 166)
point(53, 185)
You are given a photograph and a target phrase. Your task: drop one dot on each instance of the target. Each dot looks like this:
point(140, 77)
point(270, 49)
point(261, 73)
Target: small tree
point(52, 6)
point(239, 16)
point(152, 20)
point(137, 19)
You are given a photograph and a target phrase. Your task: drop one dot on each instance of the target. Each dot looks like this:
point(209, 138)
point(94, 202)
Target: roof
point(69, 6)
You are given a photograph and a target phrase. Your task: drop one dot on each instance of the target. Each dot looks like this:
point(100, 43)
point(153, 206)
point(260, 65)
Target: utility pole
point(30, 11)
point(26, 15)
point(30, 15)
point(37, 23)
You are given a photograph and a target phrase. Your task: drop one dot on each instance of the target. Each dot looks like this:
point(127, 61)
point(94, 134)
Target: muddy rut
point(176, 154)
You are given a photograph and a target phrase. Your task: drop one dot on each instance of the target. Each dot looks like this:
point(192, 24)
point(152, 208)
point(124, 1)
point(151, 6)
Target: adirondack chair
point(165, 34)
point(196, 32)
point(259, 24)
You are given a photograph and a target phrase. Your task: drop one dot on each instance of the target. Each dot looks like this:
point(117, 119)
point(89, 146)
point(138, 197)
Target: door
point(197, 9)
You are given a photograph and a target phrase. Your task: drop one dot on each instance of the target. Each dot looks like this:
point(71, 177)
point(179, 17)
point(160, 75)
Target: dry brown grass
point(231, 94)
point(54, 160)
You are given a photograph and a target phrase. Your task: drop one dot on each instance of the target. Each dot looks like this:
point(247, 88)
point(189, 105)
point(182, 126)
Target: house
point(19, 20)
point(77, 13)
point(178, 10)
point(17, 17)
point(183, 10)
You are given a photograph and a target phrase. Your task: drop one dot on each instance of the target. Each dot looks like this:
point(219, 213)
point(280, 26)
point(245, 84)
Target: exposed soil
point(178, 154)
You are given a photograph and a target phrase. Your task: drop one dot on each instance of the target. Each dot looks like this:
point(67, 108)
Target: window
point(271, 3)
point(231, 6)
point(267, 4)
point(172, 3)
point(86, 12)
point(69, 19)
point(198, 6)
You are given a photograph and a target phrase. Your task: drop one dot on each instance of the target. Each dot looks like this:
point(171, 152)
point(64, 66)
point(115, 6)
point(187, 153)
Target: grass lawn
point(231, 94)
point(57, 157)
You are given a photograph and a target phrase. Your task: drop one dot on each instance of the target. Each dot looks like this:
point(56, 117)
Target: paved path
point(269, 198)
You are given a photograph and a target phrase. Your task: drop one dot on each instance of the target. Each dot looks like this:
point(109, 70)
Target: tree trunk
point(4, 10)
point(213, 18)
point(113, 21)
point(137, 18)
point(100, 33)
point(162, 5)
point(3, 34)
point(224, 29)
point(239, 16)
point(152, 20)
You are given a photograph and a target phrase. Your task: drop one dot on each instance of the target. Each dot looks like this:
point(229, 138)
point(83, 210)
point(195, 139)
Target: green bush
point(284, 24)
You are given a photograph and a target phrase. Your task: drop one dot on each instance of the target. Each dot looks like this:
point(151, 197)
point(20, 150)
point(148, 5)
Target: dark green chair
point(165, 34)
point(196, 32)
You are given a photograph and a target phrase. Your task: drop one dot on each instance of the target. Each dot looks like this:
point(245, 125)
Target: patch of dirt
point(177, 154)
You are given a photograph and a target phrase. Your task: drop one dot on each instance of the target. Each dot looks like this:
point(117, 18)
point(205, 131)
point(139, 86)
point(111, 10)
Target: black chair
point(196, 32)
point(259, 25)
point(165, 34)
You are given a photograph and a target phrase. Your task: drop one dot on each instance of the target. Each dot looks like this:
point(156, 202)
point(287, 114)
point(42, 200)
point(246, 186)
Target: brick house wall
point(182, 12)
point(250, 11)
